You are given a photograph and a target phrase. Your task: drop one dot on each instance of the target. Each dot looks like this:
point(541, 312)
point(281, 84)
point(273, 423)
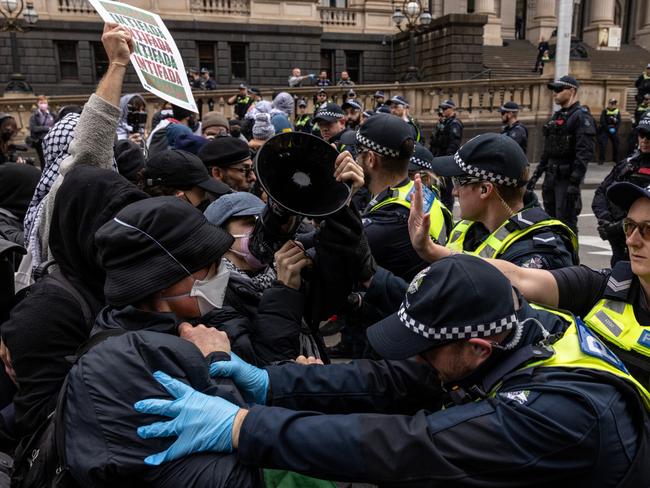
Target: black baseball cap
point(624, 194)
point(421, 159)
point(182, 170)
point(330, 112)
point(489, 157)
point(564, 82)
point(385, 134)
point(435, 309)
point(509, 107)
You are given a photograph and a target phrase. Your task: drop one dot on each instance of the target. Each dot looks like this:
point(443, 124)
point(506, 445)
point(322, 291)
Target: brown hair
point(514, 194)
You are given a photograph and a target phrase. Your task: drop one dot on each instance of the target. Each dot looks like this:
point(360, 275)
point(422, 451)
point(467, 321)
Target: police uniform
point(304, 123)
point(516, 131)
point(569, 146)
point(636, 169)
point(529, 238)
point(551, 406)
point(331, 112)
point(610, 120)
point(447, 142)
point(642, 85)
point(242, 103)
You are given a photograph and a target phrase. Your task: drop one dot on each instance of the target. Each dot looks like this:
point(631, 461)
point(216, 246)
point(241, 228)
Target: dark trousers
point(558, 204)
point(38, 145)
point(603, 138)
point(619, 251)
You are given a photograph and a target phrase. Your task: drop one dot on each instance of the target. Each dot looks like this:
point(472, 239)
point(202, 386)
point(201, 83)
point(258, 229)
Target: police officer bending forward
point(535, 399)
point(613, 303)
point(489, 174)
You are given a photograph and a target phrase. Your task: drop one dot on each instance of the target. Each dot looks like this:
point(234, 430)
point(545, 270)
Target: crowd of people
point(166, 296)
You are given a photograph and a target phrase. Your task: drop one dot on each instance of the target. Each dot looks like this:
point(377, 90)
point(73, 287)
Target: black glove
point(602, 229)
point(532, 182)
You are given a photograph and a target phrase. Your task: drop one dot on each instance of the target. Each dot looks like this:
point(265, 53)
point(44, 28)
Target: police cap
point(447, 104)
point(509, 107)
point(421, 159)
point(623, 194)
point(386, 134)
point(330, 112)
point(435, 312)
point(564, 82)
point(399, 100)
point(379, 94)
point(489, 157)
point(351, 103)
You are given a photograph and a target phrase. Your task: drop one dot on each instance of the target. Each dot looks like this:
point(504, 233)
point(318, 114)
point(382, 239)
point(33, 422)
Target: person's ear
point(480, 348)
point(216, 172)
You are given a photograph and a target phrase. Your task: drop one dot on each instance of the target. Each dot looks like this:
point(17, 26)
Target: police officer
point(643, 84)
point(331, 123)
point(636, 169)
point(242, 101)
point(208, 81)
point(380, 99)
point(513, 128)
point(399, 107)
point(610, 121)
point(489, 174)
point(303, 121)
point(534, 399)
point(569, 145)
point(447, 141)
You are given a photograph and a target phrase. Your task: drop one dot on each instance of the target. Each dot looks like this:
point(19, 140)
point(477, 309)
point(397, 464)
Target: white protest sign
point(156, 58)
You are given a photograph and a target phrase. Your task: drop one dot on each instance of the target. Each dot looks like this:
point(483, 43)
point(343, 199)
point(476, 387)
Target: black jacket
point(17, 185)
point(545, 427)
point(102, 446)
point(518, 132)
point(448, 139)
point(569, 144)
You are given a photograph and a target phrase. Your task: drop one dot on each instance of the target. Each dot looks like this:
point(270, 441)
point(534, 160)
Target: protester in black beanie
point(129, 158)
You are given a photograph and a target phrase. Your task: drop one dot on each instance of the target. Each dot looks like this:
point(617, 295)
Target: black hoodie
point(17, 184)
point(48, 324)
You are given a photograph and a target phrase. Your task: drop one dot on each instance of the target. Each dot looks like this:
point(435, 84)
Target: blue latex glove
point(612, 130)
point(201, 422)
point(253, 382)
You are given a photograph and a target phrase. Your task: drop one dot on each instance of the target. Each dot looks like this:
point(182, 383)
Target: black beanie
point(154, 243)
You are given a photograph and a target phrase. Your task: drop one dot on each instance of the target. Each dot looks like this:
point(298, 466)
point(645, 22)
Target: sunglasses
point(630, 225)
point(464, 180)
point(559, 89)
point(245, 171)
point(644, 134)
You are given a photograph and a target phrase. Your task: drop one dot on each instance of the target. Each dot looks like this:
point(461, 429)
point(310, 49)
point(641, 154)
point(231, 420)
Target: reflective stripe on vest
point(612, 112)
point(615, 321)
point(501, 239)
point(402, 196)
point(581, 348)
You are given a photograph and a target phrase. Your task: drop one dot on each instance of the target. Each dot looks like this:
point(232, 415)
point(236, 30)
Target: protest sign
point(156, 58)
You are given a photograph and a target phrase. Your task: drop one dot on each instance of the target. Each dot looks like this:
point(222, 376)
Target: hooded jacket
point(17, 184)
point(123, 127)
point(48, 324)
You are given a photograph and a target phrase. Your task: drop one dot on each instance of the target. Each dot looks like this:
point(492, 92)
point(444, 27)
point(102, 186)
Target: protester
point(262, 131)
point(133, 118)
point(345, 79)
point(8, 130)
point(196, 82)
point(262, 106)
point(40, 122)
point(296, 79)
point(17, 185)
point(323, 80)
point(129, 159)
point(183, 175)
point(229, 162)
point(214, 124)
point(164, 113)
point(519, 398)
point(282, 110)
point(159, 141)
point(208, 81)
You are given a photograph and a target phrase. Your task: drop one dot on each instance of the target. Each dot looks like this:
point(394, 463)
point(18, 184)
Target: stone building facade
point(259, 41)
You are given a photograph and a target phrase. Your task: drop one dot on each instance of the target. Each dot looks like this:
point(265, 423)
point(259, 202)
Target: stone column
point(492, 30)
point(544, 22)
point(601, 18)
point(642, 37)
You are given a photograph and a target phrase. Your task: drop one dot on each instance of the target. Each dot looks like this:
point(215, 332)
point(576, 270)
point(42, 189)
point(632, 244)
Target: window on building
point(68, 62)
point(328, 62)
point(206, 51)
point(334, 3)
point(353, 65)
point(470, 7)
point(100, 61)
point(238, 61)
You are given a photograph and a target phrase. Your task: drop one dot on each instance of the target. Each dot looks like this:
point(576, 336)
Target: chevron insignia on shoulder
point(617, 286)
point(541, 239)
point(521, 219)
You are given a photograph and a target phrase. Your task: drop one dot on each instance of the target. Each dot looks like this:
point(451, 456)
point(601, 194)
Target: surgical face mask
point(43, 107)
point(210, 291)
point(254, 263)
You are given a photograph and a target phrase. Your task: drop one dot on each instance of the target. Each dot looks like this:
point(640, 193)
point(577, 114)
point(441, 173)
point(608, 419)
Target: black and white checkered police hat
point(435, 312)
point(385, 134)
point(489, 157)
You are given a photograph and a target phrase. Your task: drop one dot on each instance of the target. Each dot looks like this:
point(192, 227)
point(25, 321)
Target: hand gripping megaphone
point(296, 170)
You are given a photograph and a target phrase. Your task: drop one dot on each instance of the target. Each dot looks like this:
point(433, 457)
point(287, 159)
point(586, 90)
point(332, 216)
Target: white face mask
point(210, 291)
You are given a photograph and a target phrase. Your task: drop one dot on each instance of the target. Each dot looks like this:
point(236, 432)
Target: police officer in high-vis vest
point(331, 123)
point(242, 101)
point(610, 121)
point(303, 122)
point(642, 84)
point(384, 147)
point(533, 399)
point(569, 145)
point(489, 174)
